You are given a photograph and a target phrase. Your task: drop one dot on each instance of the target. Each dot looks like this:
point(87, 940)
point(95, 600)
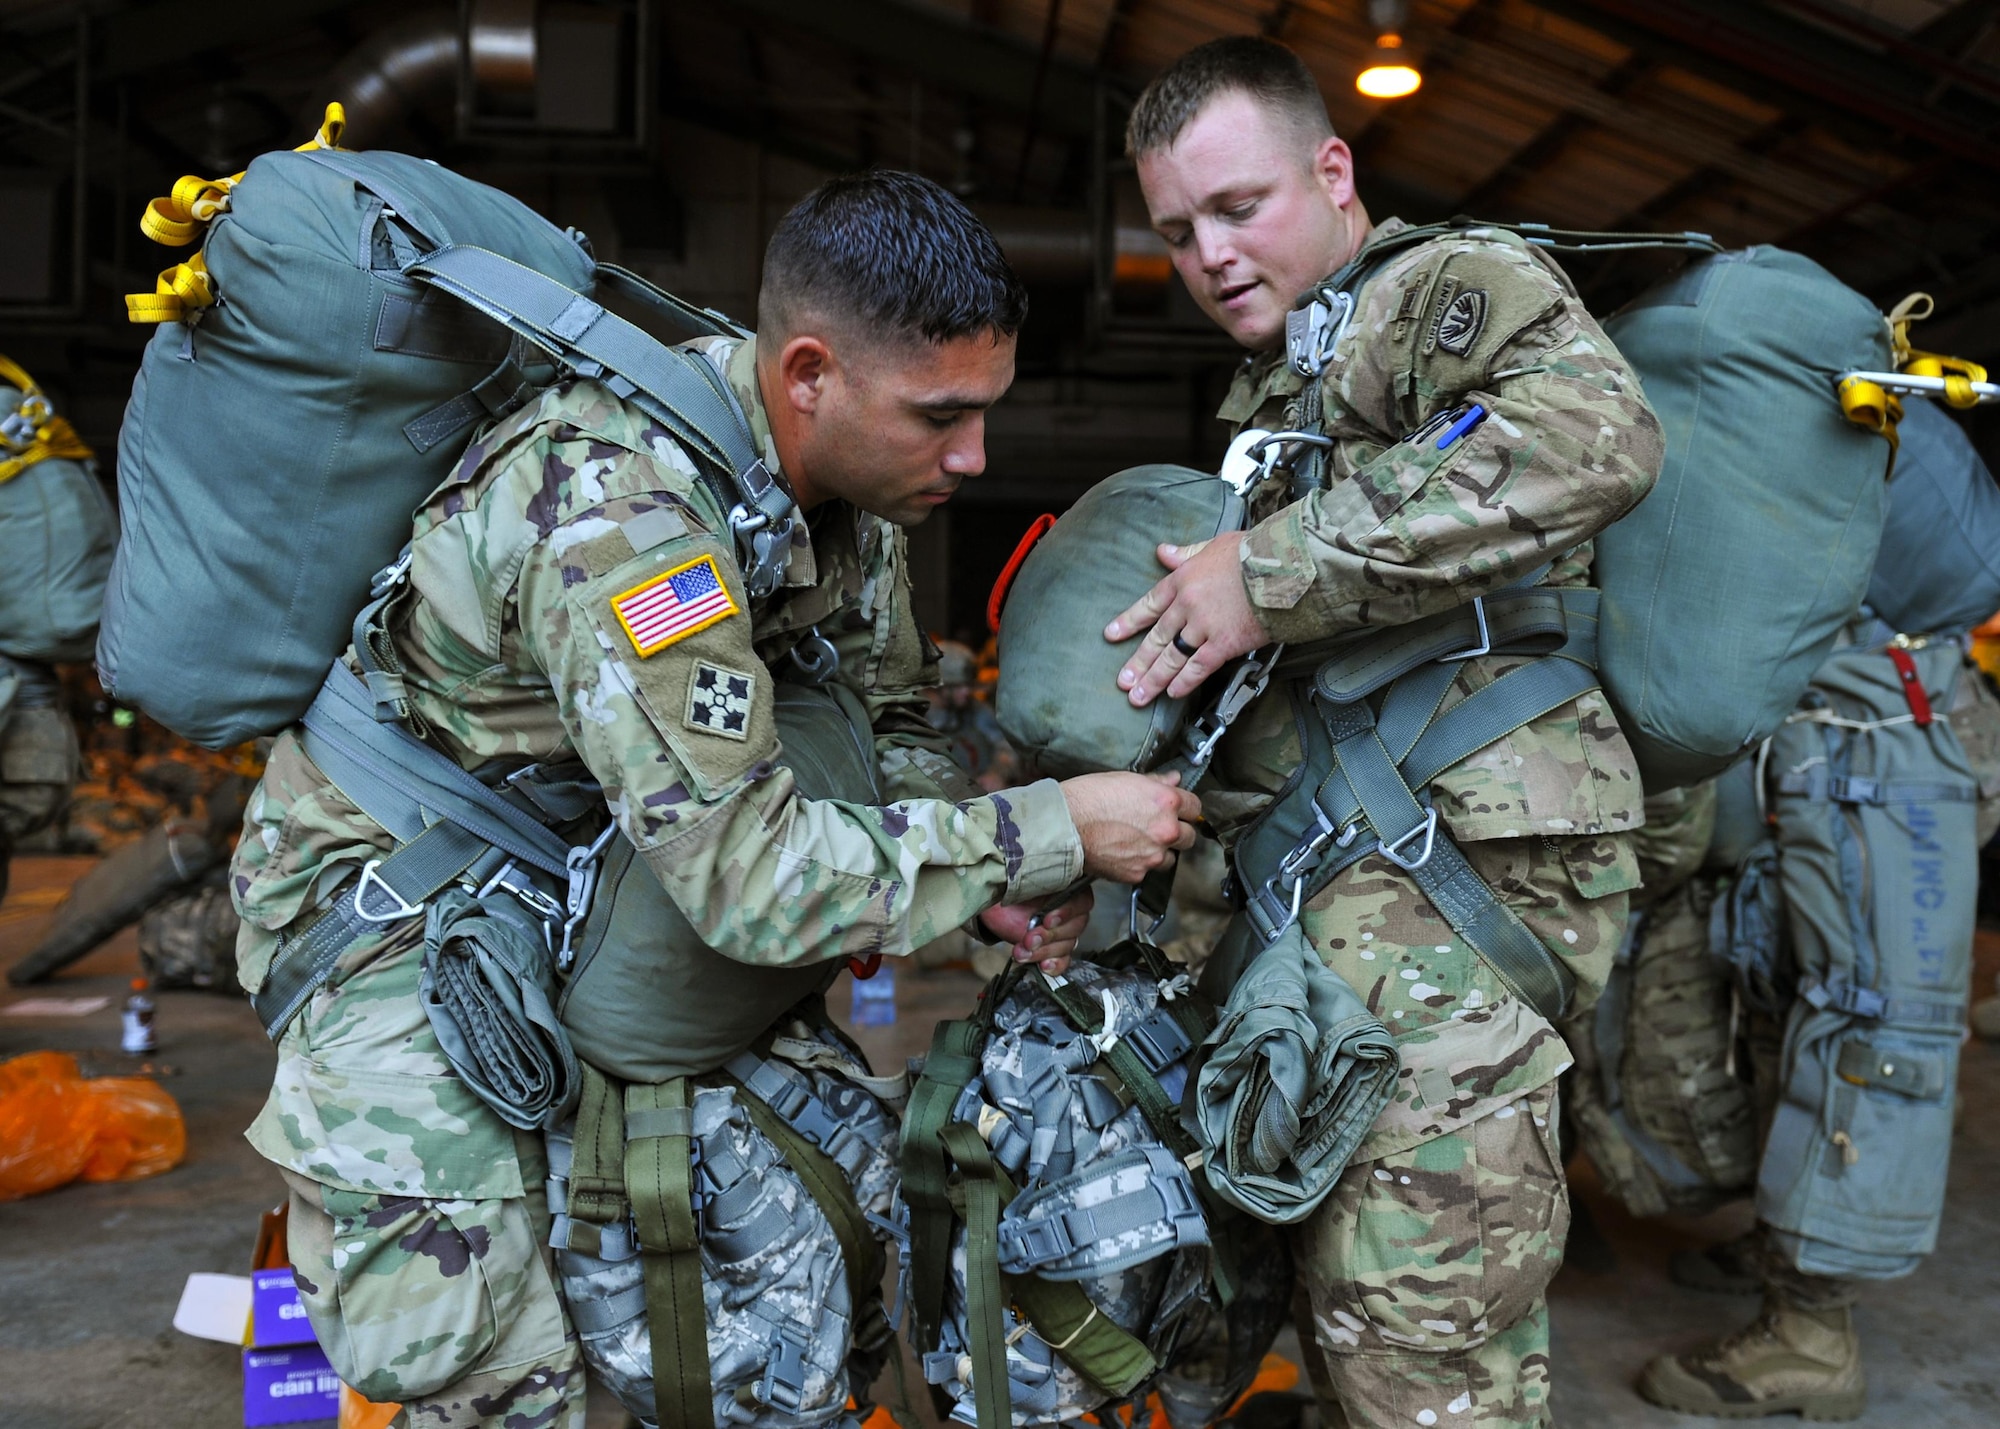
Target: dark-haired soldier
point(1481, 430)
point(889, 321)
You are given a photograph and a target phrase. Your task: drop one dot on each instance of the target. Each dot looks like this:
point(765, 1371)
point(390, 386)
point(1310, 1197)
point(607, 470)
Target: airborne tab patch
point(719, 701)
point(673, 605)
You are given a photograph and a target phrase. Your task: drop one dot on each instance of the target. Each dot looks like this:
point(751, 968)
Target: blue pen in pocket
point(1471, 417)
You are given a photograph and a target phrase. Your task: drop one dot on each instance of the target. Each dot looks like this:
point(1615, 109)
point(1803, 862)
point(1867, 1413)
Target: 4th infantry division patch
point(673, 605)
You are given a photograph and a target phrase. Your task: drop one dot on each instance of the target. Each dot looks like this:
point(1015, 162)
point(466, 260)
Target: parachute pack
point(1058, 1238)
point(375, 308)
point(56, 527)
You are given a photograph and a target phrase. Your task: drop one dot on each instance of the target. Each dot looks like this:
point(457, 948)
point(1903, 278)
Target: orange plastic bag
point(56, 1126)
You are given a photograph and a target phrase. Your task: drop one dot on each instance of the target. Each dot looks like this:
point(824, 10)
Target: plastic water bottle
point(875, 998)
point(138, 1038)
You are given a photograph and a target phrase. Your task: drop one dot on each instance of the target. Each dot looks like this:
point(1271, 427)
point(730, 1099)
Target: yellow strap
point(1958, 374)
point(47, 436)
point(178, 220)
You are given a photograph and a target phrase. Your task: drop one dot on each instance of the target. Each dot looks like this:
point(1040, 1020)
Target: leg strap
point(659, 1179)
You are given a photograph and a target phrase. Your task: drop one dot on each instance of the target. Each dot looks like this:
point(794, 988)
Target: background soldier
point(959, 711)
point(1425, 1268)
point(888, 314)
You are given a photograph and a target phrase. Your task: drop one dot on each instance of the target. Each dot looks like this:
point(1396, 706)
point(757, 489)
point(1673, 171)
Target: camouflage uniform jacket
point(515, 650)
point(1400, 531)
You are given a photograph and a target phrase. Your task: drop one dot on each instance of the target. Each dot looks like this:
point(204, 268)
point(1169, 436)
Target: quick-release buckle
point(1138, 934)
point(391, 575)
point(1248, 681)
point(1394, 851)
point(371, 875)
point(582, 863)
point(1313, 330)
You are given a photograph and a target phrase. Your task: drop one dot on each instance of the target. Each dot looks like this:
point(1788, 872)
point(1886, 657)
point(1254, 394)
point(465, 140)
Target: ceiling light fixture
point(1392, 75)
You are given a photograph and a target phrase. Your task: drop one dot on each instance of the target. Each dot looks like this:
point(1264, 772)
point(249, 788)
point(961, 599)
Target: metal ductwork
point(424, 58)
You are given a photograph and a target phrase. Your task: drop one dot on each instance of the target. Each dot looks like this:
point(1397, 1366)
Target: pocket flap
point(1913, 1076)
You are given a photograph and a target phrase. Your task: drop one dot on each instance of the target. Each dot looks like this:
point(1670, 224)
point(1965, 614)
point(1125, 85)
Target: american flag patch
point(673, 604)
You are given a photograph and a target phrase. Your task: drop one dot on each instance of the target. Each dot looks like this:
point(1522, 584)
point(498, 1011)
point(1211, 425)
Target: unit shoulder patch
point(719, 701)
point(1460, 320)
point(674, 605)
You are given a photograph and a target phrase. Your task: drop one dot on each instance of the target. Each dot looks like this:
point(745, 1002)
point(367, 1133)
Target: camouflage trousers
point(1424, 1272)
point(38, 764)
point(448, 1308)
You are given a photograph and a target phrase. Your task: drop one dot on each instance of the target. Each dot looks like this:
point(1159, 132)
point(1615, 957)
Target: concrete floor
point(90, 1275)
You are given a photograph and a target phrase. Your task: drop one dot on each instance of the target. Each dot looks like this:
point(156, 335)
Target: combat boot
point(1788, 1360)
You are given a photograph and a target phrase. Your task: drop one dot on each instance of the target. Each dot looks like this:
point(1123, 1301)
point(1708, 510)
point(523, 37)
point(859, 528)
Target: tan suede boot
point(1786, 1361)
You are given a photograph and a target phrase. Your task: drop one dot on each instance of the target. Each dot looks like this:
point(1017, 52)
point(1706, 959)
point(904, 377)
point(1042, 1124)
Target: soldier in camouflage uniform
point(417, 1215)
point(961, 713)
point(1426, 1267)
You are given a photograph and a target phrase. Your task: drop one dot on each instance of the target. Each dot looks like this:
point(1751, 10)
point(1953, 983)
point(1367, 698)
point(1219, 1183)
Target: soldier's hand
point(1131, 824)
point(1048, 942)
point(1201, 606)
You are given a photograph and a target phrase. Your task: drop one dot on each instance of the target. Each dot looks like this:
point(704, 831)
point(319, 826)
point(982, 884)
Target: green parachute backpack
point(56, 529)
point(349, 320)
point(1726, 587)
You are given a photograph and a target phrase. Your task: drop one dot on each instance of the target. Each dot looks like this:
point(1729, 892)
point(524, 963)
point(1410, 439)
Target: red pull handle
point(1913, 688)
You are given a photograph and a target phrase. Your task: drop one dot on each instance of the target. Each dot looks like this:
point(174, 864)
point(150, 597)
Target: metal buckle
point(815, 657)
point(391, 575)
point(1394, 851)
point(370, 874)
point(582, 864)
point(1249, 681)
point(1312, 331)
point(17, 430)
point(1132, 921)
point(1485, 645)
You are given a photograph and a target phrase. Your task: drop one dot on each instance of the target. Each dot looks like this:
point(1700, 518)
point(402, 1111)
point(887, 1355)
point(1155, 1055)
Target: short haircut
point(1265, 70)
point(893, 254)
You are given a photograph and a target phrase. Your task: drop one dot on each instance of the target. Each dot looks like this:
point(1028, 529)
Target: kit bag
point(1062, 1255)
point(1939, 570)
point(1878, 867)
point(56, 529)
point(727, 1226)
point(349, 321)
point(1058, 699)
point(1725, 588)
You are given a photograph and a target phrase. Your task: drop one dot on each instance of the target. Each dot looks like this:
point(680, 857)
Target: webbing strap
point(984, 1298)
point(397, 779)
point(659, 1179)
point(1534, 620)
point(860, 1252)
point(953, 1061)
point(705, 321)
point(371, 902)
point(1907, 1012)
point(597, 1158)
point(1091, 1342)
point(1819, 784)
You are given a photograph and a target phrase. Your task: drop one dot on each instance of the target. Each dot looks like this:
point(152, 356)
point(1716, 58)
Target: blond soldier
point(1425, 1268)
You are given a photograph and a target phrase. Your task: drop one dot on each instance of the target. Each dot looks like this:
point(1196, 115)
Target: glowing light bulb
point(1388, 81)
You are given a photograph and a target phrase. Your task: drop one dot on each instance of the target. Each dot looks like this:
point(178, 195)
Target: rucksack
point(56, 529)
point(1877, 861)
point(1939, 570)
point(1059, 1241)
point(780, 1163)
point(350, 319)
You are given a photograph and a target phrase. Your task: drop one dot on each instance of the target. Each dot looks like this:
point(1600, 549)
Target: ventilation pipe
point(420, 59)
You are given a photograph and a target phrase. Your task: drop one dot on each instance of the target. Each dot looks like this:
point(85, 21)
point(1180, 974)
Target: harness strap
point(1910, 1012)
point(984, 1297)
point(953, 1062)
point(596, 1193)
point(1820, 784)
point(1515, 621)
point(659, 1180)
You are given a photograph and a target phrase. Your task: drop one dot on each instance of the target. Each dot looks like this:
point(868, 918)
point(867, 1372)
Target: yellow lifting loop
point(33, 432)
point(1868, 405)
point(180, 218)
point(180, 290)
point(1958, 374)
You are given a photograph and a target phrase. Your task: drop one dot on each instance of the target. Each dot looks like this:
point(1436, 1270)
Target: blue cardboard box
point(286, 1385)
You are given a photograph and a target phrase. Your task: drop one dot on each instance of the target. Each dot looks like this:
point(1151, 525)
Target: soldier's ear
point(804, 365)
point(1333, 167)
